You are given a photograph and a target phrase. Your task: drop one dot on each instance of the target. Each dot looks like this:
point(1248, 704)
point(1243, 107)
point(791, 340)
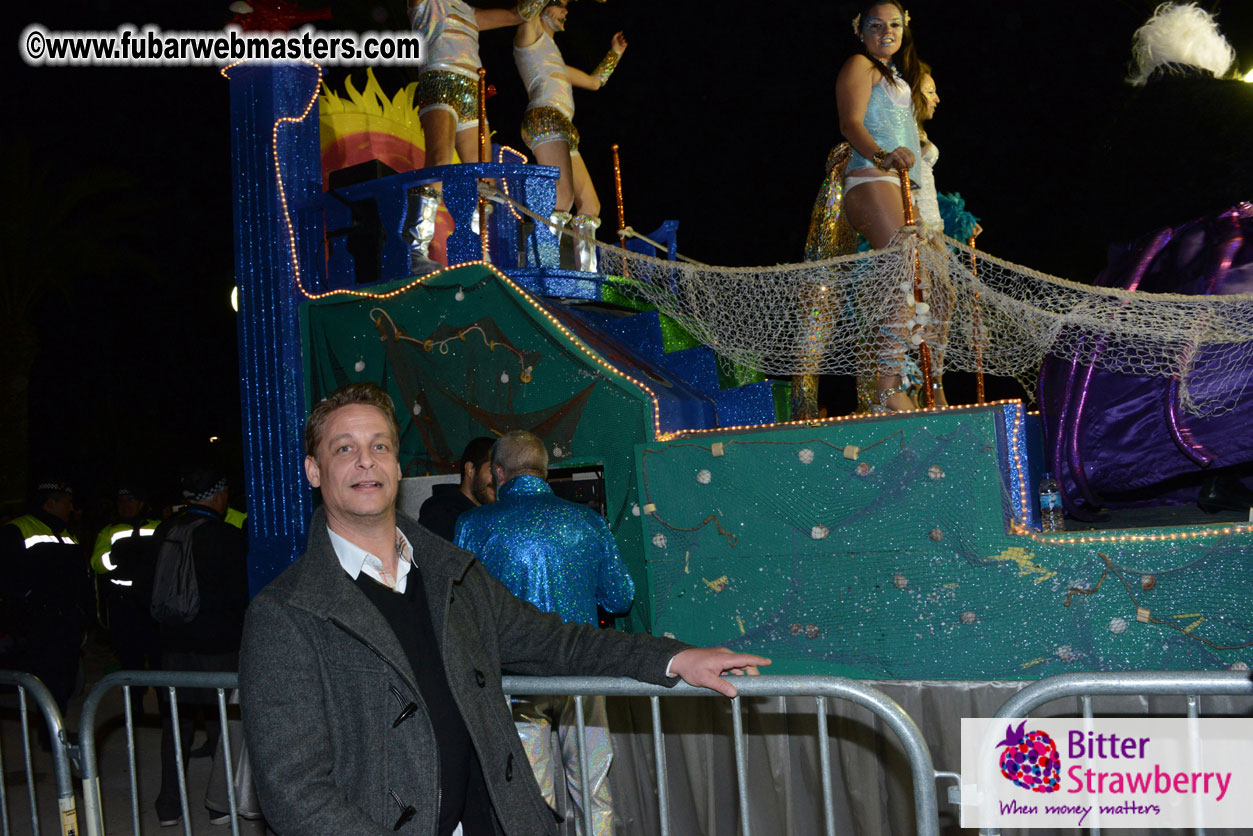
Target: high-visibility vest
point(101, 555)
point(236, 518)
point(35, 531)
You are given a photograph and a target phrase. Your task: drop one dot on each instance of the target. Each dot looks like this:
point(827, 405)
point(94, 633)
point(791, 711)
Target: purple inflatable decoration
point(1116, 440)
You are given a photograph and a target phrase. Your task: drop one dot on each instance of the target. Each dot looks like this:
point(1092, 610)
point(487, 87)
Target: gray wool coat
point(319, 665)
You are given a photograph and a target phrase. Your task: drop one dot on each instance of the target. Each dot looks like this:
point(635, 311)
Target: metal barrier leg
point(581, 728)
point(1085, 704)
point(50, 716)
point(1194, 745)
point(824, 768)
point(229, 758)
point(741, 765)
point(130, 759)
point(178, 759)
point(659, 755)
point(30, 772)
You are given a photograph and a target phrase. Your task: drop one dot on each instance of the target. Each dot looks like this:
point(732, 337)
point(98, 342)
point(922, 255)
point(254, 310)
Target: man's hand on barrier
point(704, 667)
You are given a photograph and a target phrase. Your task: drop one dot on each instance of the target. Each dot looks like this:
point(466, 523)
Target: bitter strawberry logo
point(1030, 759)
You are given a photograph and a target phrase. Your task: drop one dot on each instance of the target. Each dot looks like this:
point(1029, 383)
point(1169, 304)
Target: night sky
point(724, 113)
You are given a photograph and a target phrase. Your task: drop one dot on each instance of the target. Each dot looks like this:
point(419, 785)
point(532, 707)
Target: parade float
point(897, 546)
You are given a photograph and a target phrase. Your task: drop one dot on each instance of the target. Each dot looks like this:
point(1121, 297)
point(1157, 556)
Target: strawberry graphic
point(1030, 759)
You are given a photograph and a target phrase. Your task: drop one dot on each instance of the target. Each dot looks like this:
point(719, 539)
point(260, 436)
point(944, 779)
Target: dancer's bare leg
point(585, 200)
point(876, 211)
point(439, 127)
point(557, 154)
point(467, 142)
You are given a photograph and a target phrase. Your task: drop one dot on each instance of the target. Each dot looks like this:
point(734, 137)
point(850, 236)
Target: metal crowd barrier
point(822, 688)
point(27, 684)
point(1192, 685)
point(171, 681)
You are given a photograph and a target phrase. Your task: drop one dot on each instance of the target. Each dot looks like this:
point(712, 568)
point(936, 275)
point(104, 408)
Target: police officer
point(47, 590)
point(125, 558)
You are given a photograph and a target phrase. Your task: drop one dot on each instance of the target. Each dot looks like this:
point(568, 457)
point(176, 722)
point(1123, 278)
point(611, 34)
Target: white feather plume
point(1183, 35)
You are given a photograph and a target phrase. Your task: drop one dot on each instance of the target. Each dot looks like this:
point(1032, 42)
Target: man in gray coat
point(370, 670)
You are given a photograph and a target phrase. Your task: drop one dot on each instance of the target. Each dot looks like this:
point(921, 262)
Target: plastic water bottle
point(1051, 517)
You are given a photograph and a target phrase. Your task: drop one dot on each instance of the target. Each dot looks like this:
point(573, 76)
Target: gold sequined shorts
point(548, 124)
point(456, 93)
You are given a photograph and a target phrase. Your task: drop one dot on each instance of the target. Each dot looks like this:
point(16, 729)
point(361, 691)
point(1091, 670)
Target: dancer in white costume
point(938, 214)
point(878, 102)
point(448, 99)
point(547, 126)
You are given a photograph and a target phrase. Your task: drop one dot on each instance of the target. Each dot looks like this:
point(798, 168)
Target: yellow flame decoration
point(370, 109)
point(373, 101)
point(1026, 563)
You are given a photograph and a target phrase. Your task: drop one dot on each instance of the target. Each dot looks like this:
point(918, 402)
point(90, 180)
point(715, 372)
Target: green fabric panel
point(732, 375)
point(612, 295)
point(674, 337)
point(916, 575)
point(470, 383)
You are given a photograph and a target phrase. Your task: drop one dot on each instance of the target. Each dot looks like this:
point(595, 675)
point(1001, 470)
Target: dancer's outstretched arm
point(596, 78)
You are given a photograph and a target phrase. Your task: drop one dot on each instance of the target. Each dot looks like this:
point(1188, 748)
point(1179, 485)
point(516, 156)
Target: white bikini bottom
point(857, 180)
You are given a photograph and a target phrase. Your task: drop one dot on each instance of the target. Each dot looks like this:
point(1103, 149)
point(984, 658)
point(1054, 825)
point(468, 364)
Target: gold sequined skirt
point(830, 233)
point(445, 90)
point(546, 124)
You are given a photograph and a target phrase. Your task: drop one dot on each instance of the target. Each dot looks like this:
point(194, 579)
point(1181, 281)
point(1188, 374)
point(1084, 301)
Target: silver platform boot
point(420, 229)
point(558, 221)
point(585, 227)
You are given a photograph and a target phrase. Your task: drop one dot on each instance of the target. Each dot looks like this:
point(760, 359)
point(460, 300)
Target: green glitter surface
point(916, 575)
point(471, 390)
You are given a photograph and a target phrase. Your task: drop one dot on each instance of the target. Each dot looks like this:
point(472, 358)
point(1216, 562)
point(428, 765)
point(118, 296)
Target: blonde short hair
point(365, 392)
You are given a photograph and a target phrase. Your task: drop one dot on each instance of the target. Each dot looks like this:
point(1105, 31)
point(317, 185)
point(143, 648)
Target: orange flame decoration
point(366, 126)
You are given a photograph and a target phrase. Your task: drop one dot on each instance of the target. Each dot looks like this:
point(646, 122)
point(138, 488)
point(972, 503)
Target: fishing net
point(856, 315)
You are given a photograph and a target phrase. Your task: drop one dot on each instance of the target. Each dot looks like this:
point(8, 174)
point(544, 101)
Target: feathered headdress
point(1181, 36)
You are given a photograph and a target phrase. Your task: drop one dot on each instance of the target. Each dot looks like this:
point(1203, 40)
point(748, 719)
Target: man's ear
point(312, 473)
point(467, 472)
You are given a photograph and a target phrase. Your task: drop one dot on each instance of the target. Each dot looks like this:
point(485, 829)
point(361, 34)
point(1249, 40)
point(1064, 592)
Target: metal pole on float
point(924, 351)
point(617, 190)
point(484, 155)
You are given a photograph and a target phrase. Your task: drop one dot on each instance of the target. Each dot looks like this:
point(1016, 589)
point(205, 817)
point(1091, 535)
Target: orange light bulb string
point(924, 350)
point(484, 156)
point(617, 189)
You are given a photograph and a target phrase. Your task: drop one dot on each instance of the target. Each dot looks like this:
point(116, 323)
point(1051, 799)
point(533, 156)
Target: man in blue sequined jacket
point(561, 557)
